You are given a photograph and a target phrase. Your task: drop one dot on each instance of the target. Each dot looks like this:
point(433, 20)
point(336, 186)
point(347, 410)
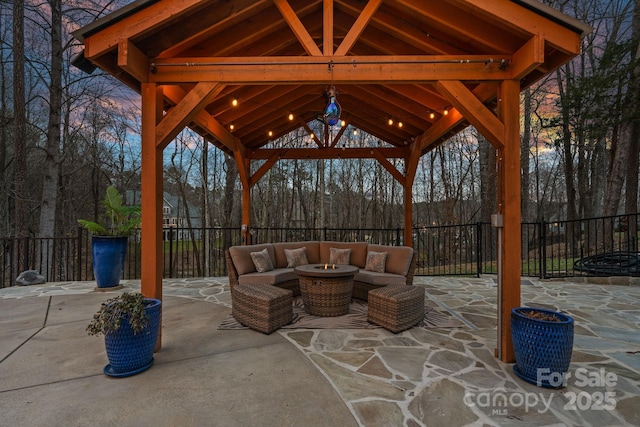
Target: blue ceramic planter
point(130, 353)
point(542, 348)
point(108, 255)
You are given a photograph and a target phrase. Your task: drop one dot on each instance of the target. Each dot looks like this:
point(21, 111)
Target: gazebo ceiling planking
point(278, 57)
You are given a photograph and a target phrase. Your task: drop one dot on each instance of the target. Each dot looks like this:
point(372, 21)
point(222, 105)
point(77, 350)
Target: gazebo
point(412, 73)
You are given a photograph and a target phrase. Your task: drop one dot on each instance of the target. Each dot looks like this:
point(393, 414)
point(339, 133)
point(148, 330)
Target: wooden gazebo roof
point(436, 66)
point(400, 48)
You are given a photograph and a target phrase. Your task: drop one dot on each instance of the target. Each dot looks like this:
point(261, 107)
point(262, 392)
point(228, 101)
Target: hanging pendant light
point(332, 110)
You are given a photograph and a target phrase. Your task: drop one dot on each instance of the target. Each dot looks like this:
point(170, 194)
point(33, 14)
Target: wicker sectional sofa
point(399, 266)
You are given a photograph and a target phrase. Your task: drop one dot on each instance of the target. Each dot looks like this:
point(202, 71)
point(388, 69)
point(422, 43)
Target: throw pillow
point(376, 261)
point(262, 261)
point(339, 256)
point(296, 257)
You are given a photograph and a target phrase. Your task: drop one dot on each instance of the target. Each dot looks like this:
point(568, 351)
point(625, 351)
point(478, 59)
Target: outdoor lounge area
point(51, 371)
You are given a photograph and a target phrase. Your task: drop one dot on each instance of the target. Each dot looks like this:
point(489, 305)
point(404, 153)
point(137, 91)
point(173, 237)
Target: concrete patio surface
point(51, 371)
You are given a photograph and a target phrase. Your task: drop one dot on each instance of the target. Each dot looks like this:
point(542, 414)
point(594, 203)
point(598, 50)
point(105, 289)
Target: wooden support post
point(509, 206)
point(151, 184)
point(246, 214)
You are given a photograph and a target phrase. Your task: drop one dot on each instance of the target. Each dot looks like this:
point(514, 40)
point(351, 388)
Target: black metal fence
point(597, 246)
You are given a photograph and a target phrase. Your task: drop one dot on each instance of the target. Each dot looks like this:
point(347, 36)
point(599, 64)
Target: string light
point(355, 131)
point(432, 115)
point(270, 134)
point(291, 116)
point(343, 123)
point(445, 112)
point(231, 126)
point(234, 102)
point(390, 122)
point(400, 124)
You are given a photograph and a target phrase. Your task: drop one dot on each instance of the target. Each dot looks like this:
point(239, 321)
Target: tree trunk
point(20, 132)
point(524, 156)
point(52, 150)
point(569, 170)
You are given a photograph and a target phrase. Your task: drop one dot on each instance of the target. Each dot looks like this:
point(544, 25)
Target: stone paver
point(449, 376)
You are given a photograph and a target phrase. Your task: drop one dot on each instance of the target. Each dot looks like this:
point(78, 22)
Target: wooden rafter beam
point(138, 24)
point(336, 138)
point(384, 23)
point(239, 11)
point(327, 28)
point(175, 94)
point(389, 166)
point(185, 111)
point(314, 70)
point(311, 133)
point(298, 28)
point(264, 169)
point(133, 60)
point(513, 16)
point(454, 120)
point(330, 153)
point(358, 27)
point(473, 110)
point(528, 57)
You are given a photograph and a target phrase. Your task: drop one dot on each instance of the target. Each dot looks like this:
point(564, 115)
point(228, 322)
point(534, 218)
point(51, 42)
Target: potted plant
point(109, 238)
point(130, 324)
point(543, 343)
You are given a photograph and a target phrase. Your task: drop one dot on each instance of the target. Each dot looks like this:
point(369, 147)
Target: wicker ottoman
point(396, 307)
point(264, 308)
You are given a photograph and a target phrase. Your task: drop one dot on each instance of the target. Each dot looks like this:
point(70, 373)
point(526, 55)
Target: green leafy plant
point(119, 219)
point(113, 312)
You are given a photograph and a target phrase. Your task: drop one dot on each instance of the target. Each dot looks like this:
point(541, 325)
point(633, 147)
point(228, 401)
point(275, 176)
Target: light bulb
point(291, 116)
point(445, 112)
point(234, 102)
point(343, 123)
point(400, 124)
point(231, 127)
point(390, 122)
point(270, 134)
point(432, 116)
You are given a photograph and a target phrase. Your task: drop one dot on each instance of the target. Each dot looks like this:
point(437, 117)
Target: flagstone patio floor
point(420, 377)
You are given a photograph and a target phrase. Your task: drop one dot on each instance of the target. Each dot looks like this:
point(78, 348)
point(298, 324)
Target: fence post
point(543, 248)
point(79, 255)
point(479, 248)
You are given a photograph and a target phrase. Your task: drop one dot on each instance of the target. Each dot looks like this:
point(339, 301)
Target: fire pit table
point(326, 288)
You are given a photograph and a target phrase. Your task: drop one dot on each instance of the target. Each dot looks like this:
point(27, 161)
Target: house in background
point(175, 225)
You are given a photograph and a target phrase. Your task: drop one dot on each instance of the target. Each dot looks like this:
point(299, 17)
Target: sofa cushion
point(398, 258)
point(296, 257)
point(312, 247)
point(339, 256)
point(358, 252)
point(272, 277)
point(379, 279)
point(376, 261)
point(262, 261)
point(241, 256)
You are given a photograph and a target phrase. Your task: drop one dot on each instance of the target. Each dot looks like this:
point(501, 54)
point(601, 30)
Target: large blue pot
point(108, 254)
point(542, 348)
point(130, 353)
